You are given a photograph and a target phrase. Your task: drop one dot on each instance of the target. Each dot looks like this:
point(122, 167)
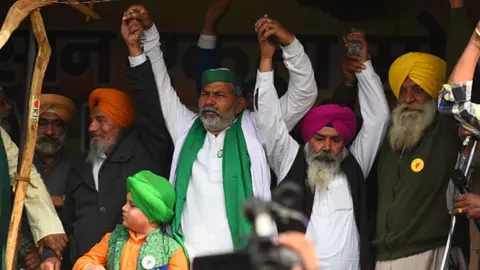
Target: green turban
point(220, 75)
point(153, 195)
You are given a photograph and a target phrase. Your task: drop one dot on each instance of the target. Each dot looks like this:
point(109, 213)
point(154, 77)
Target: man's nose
point(49, 129)
point(327, 146)
point(93, 127)
point(409, 98)
point(210, 100)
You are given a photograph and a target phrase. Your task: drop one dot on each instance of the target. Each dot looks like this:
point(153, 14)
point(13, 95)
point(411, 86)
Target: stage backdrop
point(90, 55)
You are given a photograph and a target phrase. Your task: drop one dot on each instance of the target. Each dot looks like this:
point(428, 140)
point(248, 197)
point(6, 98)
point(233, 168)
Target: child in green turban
point(140, 242)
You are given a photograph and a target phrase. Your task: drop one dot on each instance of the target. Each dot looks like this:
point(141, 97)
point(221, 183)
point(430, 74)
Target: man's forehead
point(218, 86)
point(96, 111)
point(50, 116)
point(407, 83)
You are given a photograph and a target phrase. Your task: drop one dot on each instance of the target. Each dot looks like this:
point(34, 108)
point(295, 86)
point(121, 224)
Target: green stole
point(237, 181)
point(5, 202)
point(158, 245)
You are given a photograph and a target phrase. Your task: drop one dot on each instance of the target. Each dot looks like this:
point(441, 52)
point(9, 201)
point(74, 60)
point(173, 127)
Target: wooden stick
point(41, 63)
point(83, 9)
point(91, 5)
point(16, 14)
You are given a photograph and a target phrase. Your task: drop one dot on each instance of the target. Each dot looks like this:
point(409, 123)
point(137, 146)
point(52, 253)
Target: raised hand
point(351, 65)
point(360, 36)
point(131, 33)
point(214, 14)
point(139, 13)
point(267, 46)
point(269, 28)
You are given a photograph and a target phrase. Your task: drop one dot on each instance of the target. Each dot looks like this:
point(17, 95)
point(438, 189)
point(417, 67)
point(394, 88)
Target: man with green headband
point(218, 160)
point(141, 241)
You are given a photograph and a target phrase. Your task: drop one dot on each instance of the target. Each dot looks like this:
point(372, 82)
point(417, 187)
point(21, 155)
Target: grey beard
point(321, 173)
point(217, 123)
point(96, 152)
point(48, 146)
point(408, 126)
point(47, 149)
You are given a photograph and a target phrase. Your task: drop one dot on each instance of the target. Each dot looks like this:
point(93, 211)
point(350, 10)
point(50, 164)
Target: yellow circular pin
point(417, 165)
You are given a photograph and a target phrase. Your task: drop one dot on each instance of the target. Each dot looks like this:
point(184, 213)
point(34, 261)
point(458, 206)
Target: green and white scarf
point(237, 180)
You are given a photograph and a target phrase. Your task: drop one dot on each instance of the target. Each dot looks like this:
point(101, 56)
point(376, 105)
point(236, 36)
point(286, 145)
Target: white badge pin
point(148, 262)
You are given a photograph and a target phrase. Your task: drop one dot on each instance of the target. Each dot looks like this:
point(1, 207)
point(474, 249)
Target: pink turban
point(341, 118)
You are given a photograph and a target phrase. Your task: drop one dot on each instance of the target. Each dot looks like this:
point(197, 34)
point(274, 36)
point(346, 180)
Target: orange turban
point(60, 105)
point(114, 103)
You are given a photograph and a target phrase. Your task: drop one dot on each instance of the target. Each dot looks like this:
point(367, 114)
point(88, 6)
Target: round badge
point(148, 262)
point(417, 165)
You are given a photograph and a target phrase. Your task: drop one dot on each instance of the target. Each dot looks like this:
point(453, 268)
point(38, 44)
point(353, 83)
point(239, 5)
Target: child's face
point(133, 217)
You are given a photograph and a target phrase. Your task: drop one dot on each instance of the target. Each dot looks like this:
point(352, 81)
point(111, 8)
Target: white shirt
point(97, 164)
point(204, 222)
point(332, 226)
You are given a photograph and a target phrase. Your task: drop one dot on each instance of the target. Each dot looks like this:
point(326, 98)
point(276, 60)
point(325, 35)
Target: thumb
point(40, 249)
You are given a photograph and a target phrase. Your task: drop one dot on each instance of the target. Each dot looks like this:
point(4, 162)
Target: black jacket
point(87, 214)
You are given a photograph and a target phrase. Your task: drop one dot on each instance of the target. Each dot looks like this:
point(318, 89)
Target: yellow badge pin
point(417, 165)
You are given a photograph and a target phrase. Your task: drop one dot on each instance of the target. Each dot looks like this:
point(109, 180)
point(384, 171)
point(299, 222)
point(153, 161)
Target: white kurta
point(204, 221)
point(332, 227)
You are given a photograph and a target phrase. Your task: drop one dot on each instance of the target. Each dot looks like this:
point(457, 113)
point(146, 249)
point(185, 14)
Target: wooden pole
point(16, 14)
point(23, 178)
point(90, 6)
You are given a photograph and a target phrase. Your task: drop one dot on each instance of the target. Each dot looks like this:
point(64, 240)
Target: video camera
point(261, 253)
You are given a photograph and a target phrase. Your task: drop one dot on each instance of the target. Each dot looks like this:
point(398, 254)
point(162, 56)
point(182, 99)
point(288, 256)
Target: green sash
point(158, 245)
point(237, 182)
point(5, 201)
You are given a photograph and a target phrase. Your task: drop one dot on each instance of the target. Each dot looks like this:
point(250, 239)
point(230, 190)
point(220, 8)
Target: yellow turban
point(426, 70)
point(60, 105)
point(114, 103)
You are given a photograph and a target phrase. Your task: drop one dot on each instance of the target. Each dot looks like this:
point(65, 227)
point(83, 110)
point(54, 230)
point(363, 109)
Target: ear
point(241, 104)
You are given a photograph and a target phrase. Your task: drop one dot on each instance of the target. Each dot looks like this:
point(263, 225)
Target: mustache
point(324, 156)
point(49, 139)
point(404, 108)
point(93, 135)
point(210, 108)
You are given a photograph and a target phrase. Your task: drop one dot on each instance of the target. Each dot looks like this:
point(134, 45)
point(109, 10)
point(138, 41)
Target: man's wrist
point(209, 29)
point(135, 51)
point(350, 83)
point(289, 40)
point(265, 64)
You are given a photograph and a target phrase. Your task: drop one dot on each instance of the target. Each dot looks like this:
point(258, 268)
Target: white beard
point(408, 125)
point(97, 151)
point(320, 173)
